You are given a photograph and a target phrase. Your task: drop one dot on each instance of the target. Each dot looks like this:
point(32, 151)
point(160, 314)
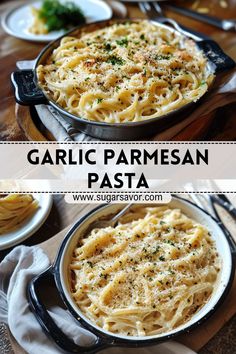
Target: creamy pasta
point(38, 25)
point(126, 72)
point(146, 276)
point(14, 210)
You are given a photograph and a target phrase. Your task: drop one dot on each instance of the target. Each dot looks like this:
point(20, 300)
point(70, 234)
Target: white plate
point(118, 8)
point(31, 225)
point(17, 21)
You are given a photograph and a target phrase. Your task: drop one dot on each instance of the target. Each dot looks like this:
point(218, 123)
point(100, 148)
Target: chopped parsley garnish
point(142, 37)
point(107, 46)
point(58, 15)
point(114, 60)
point(87, 78)
point(90, 264)
point(104, 276)
point(162, 57)
point(156, 250)
point(203, 83)
point(123, 42)
point(170, 242)
point(162, 258)
point(162, 222)
point(99, 100)
point(171, 271)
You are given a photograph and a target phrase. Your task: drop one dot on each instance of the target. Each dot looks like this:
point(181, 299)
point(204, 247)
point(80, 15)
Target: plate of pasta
point(162, 270)
point(46, 20)
point(119, 79)
point(21, 215)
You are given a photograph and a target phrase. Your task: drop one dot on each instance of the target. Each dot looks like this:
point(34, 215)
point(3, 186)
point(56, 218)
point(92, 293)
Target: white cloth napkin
point(16, 271)
point(223, 94)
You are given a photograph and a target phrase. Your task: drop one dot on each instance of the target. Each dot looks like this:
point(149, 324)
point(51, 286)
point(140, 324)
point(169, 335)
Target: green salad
point(57, 15)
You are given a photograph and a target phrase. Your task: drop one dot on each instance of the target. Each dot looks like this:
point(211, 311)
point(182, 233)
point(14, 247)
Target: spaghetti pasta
point(38, 25)
point(146, 276)
point(14, 210)
point(126, 72)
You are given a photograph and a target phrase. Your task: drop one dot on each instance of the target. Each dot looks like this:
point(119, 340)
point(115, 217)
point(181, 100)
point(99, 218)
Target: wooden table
point(13, 49)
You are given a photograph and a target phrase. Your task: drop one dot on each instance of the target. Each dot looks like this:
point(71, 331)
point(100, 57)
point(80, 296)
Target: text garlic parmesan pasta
point(146, 276)
point(125, 72)
point(15, 209)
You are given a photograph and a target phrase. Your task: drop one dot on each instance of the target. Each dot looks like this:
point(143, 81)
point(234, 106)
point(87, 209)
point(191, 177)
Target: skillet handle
point(211, 49)
point(26, 92)
point(228, 235)
point(48, 324)
point(216, 55)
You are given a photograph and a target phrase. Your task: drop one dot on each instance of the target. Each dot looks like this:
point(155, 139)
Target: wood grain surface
point(13, 49)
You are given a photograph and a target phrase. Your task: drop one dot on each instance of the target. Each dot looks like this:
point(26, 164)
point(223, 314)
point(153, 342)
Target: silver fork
point(154, 12)
point(206, 202)
point(223, 24)
point(106, 223)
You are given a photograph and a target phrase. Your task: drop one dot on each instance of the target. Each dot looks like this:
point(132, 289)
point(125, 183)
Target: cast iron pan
point(27, 92)
point(105, 340)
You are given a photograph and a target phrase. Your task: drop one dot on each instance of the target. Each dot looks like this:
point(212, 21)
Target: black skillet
point(27, 91)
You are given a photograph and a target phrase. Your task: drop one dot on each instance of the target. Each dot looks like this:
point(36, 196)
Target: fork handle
point(226, 205)
point(226, 25)
point(120, 214)
point(182, 29)
point(230, 238)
